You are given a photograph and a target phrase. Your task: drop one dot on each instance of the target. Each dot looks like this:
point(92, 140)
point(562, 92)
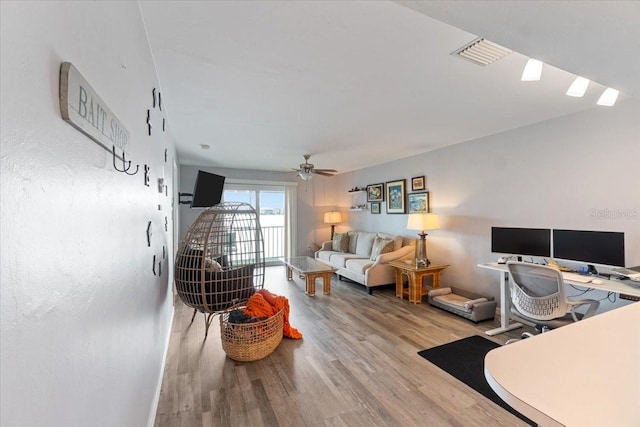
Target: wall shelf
point(357, 200)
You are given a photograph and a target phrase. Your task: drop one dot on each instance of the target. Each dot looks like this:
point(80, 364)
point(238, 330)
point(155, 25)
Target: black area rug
point(464, 359)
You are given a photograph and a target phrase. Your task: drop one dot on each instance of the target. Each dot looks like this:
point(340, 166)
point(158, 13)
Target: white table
point(583, 374)
point(616, 286)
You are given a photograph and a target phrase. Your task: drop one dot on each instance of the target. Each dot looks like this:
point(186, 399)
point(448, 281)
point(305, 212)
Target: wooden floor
point(357, 365)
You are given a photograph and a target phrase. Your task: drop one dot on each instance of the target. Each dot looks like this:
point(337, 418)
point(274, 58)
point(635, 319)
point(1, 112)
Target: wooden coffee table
point(311, 270)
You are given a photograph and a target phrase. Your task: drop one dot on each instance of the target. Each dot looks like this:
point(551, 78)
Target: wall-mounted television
point(207, 190)
point(596, 247)
point(521, 241)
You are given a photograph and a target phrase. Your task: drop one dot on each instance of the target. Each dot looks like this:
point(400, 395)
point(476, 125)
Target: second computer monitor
point(595, 247)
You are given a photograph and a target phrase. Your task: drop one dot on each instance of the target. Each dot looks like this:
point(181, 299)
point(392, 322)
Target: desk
point(583, 374)
point(415, 276)
point(505, 295)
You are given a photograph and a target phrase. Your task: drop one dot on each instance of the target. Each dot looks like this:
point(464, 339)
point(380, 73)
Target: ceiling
point(360, 83)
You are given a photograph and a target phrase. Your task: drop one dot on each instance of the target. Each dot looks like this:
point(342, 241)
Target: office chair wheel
point(523, 336)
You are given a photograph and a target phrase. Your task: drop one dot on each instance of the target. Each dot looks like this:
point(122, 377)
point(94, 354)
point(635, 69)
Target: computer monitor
point(521, 241)
point(207, 190)
point(594, 247)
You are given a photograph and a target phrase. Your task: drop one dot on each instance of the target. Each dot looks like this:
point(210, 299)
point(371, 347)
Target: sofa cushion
point(340, 242)
point(340, 260)
point(326, 255)
point(381, 246)
point(365, 243)
point(397, 239)
point(359, 265)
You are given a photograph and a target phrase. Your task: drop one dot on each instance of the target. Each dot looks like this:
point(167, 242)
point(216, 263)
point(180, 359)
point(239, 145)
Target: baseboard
point(156, 398)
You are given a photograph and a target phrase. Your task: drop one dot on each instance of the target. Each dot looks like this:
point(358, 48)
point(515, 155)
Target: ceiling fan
point(307, 169)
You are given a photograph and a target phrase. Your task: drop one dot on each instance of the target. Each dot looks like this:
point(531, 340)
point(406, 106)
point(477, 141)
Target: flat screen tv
point(521, 241)
point(596, 247)
point(207, 190)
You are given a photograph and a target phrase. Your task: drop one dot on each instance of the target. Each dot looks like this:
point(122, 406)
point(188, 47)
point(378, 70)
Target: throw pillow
point(340, 242)
point(212, 265)
point(381, 246)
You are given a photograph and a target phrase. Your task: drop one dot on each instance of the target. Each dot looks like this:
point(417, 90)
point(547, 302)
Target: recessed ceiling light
point(578, 87)
point(608, 97)
point(532, 71)
point(204, 146)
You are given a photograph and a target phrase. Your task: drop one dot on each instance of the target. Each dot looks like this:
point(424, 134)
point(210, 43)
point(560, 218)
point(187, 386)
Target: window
point(275, 203)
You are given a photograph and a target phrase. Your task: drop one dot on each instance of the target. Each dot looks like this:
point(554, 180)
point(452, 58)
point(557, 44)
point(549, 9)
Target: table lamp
point(423, 222)
point(332, 218)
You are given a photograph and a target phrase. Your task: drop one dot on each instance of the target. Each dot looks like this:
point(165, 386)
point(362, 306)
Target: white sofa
point(356, 264)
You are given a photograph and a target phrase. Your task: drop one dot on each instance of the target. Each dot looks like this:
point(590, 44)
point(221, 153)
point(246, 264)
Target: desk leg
point(289, 273)
point(505, 304)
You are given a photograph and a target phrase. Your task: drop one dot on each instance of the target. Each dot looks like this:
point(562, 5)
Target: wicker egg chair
point(220, 261)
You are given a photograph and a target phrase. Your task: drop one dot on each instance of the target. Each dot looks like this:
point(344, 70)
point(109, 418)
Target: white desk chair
point(538, 296)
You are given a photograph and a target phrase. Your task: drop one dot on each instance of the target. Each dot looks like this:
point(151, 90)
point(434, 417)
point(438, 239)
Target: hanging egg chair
point(220, 260)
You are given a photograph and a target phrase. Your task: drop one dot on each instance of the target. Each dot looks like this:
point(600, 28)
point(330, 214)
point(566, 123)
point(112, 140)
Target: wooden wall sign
point(81, 106)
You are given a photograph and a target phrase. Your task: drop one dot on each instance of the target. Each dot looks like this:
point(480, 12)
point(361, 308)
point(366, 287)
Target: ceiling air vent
point(482, 52)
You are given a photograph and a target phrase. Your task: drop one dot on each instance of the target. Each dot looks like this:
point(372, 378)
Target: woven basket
point(246, 342)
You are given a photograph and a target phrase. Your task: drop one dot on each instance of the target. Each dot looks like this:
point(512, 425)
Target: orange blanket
point(265, 304)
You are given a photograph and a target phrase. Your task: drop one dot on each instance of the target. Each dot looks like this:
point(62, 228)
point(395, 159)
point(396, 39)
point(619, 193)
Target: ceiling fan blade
point(326, 170)
point(321, 172)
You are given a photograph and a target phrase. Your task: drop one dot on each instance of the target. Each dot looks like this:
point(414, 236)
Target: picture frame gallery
point(419, 202)
point(396, 195)
point(418, 183)
point(375, 193)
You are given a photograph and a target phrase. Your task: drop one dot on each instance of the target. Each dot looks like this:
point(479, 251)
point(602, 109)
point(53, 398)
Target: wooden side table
point(415, 276)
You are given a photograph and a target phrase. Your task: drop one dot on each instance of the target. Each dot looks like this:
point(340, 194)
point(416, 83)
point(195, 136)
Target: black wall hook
point(125, 165)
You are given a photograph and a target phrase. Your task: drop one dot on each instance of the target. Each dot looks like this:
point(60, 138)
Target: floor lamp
point(423, 222)
point(332, 218)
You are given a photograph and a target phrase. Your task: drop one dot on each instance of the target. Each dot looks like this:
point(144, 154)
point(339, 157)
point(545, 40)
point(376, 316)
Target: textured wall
point(85, 322)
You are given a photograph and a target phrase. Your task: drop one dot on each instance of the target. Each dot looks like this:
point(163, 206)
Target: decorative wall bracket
point(126, 165)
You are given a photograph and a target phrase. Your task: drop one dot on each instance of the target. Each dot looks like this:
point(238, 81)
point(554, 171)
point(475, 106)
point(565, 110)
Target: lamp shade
point(423, 221)
point(332, 217)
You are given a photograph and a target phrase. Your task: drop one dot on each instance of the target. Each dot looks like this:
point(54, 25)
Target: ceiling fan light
point(608, 97)
point(532, 71)
point(578, 87)
point(305, 175)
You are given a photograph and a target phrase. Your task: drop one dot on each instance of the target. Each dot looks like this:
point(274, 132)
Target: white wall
point(85, 322)
point(564, 173)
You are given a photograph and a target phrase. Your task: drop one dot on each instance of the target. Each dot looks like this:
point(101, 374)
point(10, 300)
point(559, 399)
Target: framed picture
point(375, 207)
point(375, 193)
point(419, 202)
point(396, 197)
point(417, 183)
